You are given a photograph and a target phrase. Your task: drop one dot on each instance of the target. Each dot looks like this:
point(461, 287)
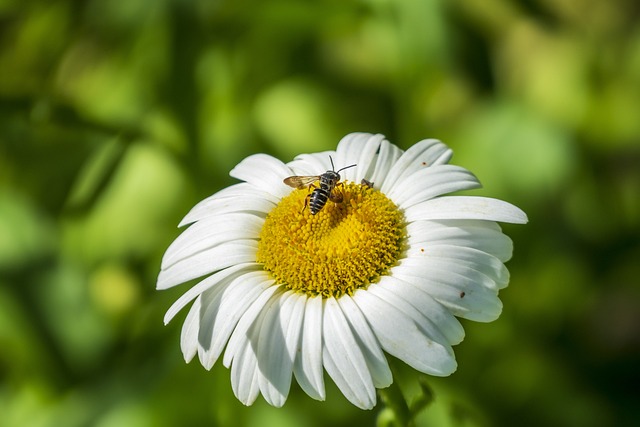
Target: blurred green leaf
point(95, 175)
point(25, 234)
point(129, 218)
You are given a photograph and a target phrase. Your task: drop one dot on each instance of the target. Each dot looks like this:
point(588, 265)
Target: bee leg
point(306, 202)
point(336, 196)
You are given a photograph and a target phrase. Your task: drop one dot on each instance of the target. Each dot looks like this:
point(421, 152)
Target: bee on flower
point(287, 293)
point(329, 181)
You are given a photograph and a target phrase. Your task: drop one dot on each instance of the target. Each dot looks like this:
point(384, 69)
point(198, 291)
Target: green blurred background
point(117, 116)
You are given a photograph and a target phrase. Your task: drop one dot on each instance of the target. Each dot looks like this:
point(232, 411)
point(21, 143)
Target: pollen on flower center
point(342, 248)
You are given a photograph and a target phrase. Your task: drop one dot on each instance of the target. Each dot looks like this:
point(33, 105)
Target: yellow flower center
point(342, 248)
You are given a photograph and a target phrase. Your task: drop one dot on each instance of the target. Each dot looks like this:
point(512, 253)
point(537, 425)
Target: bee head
point(335, 175)
point(331, 177)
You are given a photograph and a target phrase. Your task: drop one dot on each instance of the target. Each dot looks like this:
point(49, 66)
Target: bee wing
point(301, 181)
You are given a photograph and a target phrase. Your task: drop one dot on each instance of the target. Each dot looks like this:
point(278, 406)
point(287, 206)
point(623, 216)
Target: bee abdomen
point(318, 199)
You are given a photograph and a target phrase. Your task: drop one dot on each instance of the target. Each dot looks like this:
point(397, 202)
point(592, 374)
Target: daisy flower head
point(386, 265)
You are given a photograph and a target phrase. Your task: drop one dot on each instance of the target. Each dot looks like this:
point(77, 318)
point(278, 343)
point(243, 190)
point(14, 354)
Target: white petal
point(246, 370)
point(277, 347)
point(414, 306)
point(431, 182)
point(438, 154)
point(388, 154)
point(376, 361)
point(222, 256)
point(273, 360)
point(466, 207)
point(211, 232)
point(423, 154)
point(238, 197)
point(343, 358)
point(189, 335)
point(460, 294)
point(247, 320)
point(452, 266)
point(292, 321)
point(429, 313)
point(222, 311)
point(209, 302)
point(245, 374)
point(312, 164)
point(368, 158)
point(466, 257)
point(264, 172)
point(359, 149)
point(401, 337)
point(259, 206)
point(205, 284)
point(485, 236)
point(308, 364)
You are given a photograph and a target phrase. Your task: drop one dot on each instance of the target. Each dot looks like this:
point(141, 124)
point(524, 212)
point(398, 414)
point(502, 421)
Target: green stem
point(396, 404)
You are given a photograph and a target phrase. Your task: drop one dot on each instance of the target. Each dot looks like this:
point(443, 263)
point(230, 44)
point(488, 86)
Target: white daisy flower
point(387, 270)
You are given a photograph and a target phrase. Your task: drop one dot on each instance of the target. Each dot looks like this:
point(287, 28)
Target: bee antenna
point(332, 167)
point(346, 167)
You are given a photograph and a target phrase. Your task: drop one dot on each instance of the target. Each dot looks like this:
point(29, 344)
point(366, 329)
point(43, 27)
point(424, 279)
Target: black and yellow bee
point(319, 196)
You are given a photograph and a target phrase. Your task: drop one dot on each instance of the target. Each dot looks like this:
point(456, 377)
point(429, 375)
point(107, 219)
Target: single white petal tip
point(297, 309)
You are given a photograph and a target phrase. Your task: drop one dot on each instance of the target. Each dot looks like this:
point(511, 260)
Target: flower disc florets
point(344, 247)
